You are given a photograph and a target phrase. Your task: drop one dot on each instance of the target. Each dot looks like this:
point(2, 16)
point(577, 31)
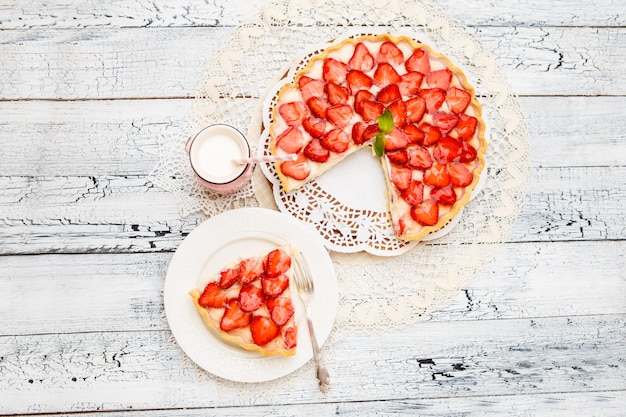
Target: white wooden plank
point(143, 370)
point(118, 292)
point(119, 137)
point(168, 62)
point(77, 14)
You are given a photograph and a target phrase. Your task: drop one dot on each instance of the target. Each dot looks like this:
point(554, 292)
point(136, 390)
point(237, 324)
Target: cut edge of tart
point(264, 320)
point(414, 212)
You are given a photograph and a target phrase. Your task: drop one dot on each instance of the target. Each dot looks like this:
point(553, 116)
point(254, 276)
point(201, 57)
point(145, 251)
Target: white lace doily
point(376, 294)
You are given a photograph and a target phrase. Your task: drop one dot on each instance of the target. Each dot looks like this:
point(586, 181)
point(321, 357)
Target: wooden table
point(86, 238)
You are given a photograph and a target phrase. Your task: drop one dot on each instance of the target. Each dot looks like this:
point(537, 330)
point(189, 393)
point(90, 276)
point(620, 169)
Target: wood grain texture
point(168, 62)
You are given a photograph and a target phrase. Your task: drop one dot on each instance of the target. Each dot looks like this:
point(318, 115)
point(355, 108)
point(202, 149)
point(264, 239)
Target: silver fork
point(304, 284)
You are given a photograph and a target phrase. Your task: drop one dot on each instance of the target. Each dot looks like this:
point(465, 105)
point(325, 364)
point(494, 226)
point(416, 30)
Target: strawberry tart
point(409, 103)
point(250, 303)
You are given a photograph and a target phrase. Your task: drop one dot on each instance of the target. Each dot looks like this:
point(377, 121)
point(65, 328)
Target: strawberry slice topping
point(213, 296)
point(250, 269)
point(277, 262)
point(357, 133)
point(466, 127)
point(298, 169)
point(445, 196)
point(334, 71)
point(390, 53)
point(263, 330)
point(339, 115)
point(398, 113)
point(414, 194)
point(399, 157)
point(431, 134)
point(439, 78)
point(419, 61)
point(316, 152)
point(415, 109)
point(310, 87)
point(293, 112)
point(274, 286)
point(234, 317)
point(336, 94)
point(362, 59)
point(457, 100)
point(426, 213)
point(314, 126)
point(468, 152)
point(414, 134)
point(370, 110)
point(448, 150)
point(361, 96)
point(437, 175)
point(290, 335)
point(281, 310)
point(389, 94)
point(358, 80)
point(318, 106)
point(386, 74)
point(291, 140)
point(396, 140)
point(445, 121)
point(419, 157)
point(434, 98)
point(410, 83)
point(228, 277)
point(251, 297)
point(336, 140)
point(460, 176)
point(401, 177)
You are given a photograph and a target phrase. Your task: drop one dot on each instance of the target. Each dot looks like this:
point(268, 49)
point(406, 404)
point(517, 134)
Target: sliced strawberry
point(385, 74)
point(336, 140)
point(277, 262)
point(448, 150)
point(318, 106)
point(457, 100)
point(415, 109)
point(274, 286)
point(439, 78)
point(414, 134)
point(445, 196)
point(419, 157)
point(290, 335)
point(399, 227)
point(263, 330)
point(361, 96)
point(293, 112)
point(336, 94)
point(316, 152)
point(468, 152)
point(431, 134)
point(298, 169)
point(334, 71)
point(281, 310)
point(213, 296)
point(370, 110)
point(437, 175)
point(434, 98)
point(362, 59)
point(251, 297)
point(466, 127)
point(410, 83)
point(358, 80)
point(445, 121)
point(419, 61)
point(414, 194)
point(314, 126)
point(310, 88)
point(250, 269)
point(370, 131)
point(339, 115)
point(228, 277)
point(426, 213)
point(398, 113)
point(234, 317)
point(401, 177)
point(395, 140)
point(389, 94)
point(460, 176)
point(398, 157)
point(390, 53)
point(357, 133)
point(291, 140)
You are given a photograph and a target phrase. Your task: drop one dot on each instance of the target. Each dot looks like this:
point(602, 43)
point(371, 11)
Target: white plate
point(209, 248)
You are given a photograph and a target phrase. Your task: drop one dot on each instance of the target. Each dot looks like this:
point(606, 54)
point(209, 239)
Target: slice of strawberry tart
point(250, 303)
point(409, 103)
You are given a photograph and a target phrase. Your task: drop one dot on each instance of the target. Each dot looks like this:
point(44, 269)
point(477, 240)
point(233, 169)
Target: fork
point(304, 284)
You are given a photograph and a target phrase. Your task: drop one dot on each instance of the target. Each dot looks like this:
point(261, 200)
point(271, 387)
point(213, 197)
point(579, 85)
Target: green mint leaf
point(379, 144)
point(385, 122)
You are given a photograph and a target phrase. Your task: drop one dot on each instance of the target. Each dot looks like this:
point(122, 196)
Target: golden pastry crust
point(406, 227)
